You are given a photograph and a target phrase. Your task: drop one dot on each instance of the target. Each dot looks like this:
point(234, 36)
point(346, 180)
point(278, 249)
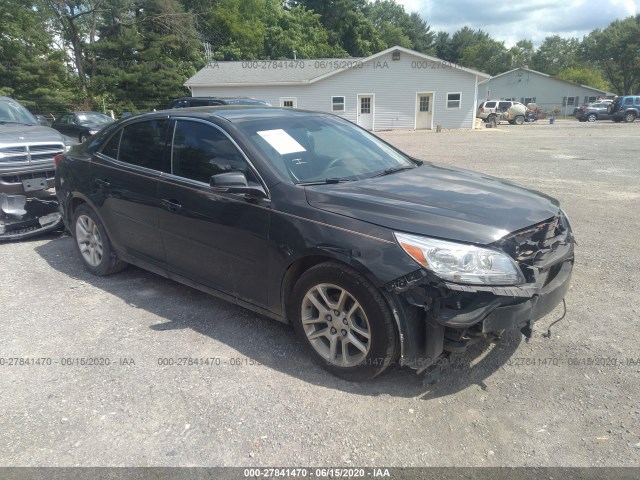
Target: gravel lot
point(547, 402)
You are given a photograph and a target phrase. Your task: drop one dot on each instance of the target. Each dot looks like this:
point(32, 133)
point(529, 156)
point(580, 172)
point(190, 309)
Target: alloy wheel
point(89, 240)
point(336, 325)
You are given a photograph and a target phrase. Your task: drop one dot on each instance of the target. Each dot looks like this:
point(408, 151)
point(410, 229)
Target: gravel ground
point(547, 402)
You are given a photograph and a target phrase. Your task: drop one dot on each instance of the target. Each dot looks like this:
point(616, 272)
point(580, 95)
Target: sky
point(513, 20)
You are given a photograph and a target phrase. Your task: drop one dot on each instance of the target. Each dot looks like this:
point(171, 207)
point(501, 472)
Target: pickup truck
point(27, 150)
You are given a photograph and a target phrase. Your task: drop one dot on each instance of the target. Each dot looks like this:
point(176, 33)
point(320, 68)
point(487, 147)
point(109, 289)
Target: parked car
point(27, 150)
point(594, 111)
point(374, 257)
point(507, 110)
point(625, 108)
point(186, 102)
point(81, 125)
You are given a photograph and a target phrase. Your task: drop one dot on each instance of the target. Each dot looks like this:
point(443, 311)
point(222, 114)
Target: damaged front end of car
point(26, 216)
point(446, 314)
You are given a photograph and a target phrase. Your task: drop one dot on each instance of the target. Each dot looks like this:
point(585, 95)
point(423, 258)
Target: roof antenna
point(207, 52)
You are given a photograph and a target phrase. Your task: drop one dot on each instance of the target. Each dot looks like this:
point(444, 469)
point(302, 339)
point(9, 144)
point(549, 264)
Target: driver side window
point(200, 151)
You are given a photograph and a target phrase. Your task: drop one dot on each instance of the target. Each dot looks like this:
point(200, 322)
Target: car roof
point(234, 113)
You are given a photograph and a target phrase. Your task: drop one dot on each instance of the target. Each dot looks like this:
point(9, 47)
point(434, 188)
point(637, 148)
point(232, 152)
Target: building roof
point(549, 76)
point(290, 72)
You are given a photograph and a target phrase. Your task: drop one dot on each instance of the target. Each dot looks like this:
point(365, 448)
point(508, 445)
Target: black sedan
point(594, 111)
point(374, 257)
point(81, 125)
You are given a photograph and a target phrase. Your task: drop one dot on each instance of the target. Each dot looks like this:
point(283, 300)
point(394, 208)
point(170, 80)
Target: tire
point(333, 309)
point(519, 120)
point(629, 117)
point(592, 117)
point(93, 244)
point(491, 118)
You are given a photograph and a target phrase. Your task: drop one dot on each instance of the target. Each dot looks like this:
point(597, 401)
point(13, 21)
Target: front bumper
point(454, 315)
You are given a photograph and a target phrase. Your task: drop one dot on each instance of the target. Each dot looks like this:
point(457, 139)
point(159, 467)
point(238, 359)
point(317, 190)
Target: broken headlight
point(461, 263)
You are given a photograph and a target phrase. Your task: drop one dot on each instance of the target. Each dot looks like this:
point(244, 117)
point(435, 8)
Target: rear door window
point(143, 144)
point(504, 105)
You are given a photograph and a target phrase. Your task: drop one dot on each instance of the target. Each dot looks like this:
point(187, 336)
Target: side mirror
point(235, 182)
point(42, 120)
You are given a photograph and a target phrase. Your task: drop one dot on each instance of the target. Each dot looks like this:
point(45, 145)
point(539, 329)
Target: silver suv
point(499, 109)
point(27, 150)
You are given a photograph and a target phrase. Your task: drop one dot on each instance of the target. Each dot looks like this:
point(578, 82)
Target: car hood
point(19, 133)
point(438, 201)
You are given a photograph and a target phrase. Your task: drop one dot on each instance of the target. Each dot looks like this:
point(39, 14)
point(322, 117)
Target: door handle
point(171, 205)
point(102, 183)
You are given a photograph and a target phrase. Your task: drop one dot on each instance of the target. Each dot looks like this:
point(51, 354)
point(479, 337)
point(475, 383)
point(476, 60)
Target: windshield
point(13, 112)
point(319, 148)
point(93, 118)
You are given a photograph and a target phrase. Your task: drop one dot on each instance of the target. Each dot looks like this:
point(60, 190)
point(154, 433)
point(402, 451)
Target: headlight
point(460, 263)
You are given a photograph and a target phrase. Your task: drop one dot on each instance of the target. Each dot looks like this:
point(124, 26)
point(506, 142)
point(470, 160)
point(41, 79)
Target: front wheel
point(519, 120)
point(93, 244)
point(592, 118)
point(343, 321)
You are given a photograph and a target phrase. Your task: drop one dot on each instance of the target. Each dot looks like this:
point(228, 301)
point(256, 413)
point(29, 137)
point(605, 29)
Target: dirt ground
point(568, 400)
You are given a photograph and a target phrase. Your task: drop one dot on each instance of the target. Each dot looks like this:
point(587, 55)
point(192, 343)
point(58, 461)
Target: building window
point(424, 103)
point(588, 99)
point(337, 104)
point(570, 101)
point(289, 102)
point(454, 100)
point(365, 105)
point(527, 100)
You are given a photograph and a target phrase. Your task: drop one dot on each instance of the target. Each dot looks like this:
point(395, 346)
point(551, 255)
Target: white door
point(424, 106)
point(365, 111)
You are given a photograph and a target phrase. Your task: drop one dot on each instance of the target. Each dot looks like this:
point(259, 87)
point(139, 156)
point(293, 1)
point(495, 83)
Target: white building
point(528, 86)
point(396, 89)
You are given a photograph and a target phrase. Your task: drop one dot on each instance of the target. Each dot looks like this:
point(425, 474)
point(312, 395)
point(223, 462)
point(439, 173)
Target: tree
point(145, 54)
point(464, 38)
point(31, 70)
point(585, 76)
point(297, 30)
point(488, 56)
point(443, 48)
point(521, 54)
point(557, 54)
point(397, 27)
point(616, 50)
point(347, 25)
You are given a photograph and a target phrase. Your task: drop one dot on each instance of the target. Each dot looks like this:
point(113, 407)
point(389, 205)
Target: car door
point(125, 186)
point(62, 124)
point(216, 239)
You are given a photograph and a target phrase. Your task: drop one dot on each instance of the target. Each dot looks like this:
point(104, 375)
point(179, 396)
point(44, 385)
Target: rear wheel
point(629, 117)
point(592, 117)
point(519, 120)
point(343, 321)
point(92, 241)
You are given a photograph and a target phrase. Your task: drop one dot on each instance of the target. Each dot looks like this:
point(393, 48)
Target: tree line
point(133, 55)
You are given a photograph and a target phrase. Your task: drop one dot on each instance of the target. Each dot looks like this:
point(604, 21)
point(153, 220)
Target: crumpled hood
point(19, 133)
point(438, 201)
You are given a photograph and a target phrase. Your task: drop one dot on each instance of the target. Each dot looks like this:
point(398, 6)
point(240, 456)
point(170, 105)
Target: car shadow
point(265, 341)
